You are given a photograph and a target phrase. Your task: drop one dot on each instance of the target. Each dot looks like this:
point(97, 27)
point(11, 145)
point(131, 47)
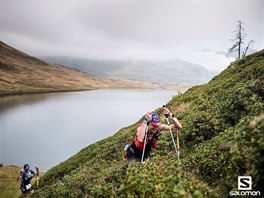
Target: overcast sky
point(195, 31)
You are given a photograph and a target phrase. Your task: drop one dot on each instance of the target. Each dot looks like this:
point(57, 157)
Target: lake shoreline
point(42, 92)
point(179, 88)
point(71, 90)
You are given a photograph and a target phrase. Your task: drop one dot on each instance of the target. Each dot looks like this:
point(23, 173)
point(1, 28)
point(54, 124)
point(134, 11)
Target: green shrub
point(248, 150)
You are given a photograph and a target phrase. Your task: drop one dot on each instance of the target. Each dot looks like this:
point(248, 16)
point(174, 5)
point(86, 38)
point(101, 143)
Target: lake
point(46, 129)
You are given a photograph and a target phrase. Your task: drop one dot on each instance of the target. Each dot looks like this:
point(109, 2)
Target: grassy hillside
point(21, 73)
point(9, 186)
point(222, 138)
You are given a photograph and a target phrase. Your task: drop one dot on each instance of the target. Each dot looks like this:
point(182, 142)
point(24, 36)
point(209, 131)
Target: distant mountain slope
point(222, 138)
point(162, 72)
point(21, 73)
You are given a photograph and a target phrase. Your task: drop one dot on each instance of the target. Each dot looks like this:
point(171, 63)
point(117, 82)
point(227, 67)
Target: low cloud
point(130, 30)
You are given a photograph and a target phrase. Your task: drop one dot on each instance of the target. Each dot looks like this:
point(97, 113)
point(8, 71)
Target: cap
point(26, 167)
point(155, 119)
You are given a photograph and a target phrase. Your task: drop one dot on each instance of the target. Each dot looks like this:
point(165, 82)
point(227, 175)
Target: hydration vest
point(134, 151)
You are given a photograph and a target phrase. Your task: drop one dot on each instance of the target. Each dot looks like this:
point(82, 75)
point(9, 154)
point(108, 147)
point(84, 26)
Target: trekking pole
point(176, 150)
point(178, 144)
point(145, 142)
point(38, 175)
point(38, 181)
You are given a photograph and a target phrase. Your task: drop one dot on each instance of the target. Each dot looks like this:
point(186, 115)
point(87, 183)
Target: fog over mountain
point(161, 72)
point(195, 31)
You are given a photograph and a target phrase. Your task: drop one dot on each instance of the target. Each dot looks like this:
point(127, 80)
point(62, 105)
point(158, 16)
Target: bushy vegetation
point(222, 138)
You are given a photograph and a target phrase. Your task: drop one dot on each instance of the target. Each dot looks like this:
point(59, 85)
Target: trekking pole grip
point(166, 115)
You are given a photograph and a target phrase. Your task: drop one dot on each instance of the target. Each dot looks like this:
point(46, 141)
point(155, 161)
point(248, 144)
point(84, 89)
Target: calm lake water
point(46, 129)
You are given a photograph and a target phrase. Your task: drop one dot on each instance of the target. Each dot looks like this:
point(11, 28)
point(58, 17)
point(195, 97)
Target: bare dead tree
point(239, 39)
point(249, 43)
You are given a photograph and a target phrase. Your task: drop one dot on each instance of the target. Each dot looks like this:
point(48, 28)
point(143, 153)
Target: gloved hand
point(147, 118)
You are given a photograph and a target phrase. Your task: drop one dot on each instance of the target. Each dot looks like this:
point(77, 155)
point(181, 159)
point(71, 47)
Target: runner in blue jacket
point(25, 176)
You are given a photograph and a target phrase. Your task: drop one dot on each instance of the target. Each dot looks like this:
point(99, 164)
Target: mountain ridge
point(161, 72)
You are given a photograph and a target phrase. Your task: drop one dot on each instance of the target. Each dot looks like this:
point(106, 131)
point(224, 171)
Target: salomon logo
point(244, 186)
point(244, 183)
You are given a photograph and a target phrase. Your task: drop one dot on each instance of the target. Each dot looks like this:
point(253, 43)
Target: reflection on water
point(10, 102)
point(49, 128)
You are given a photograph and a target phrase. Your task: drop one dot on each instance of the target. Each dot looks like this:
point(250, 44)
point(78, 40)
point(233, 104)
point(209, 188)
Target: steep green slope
point(222, 138)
